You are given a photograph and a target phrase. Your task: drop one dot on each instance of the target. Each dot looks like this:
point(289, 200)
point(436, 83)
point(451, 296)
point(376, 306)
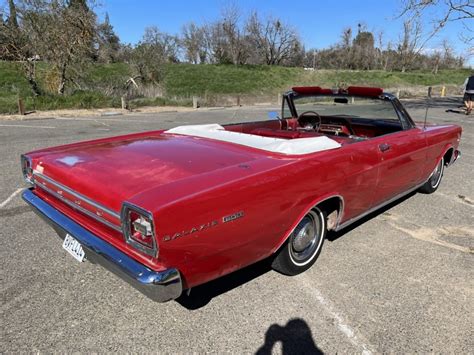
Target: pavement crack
point(466, 200)
point(459, 198)
point(439, 236)
point(14, 211)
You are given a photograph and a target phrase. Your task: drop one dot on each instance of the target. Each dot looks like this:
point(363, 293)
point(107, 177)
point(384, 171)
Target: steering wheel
point(309, 120)
point(348, 125)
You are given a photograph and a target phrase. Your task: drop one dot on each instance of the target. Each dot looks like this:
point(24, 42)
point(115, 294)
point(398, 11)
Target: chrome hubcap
point(306, 237)
point(436, 174)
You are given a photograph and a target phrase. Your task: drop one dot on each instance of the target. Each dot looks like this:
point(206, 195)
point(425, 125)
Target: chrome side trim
point(78, 195)
point(160, 286)
point(373, 209)
point(79, 208)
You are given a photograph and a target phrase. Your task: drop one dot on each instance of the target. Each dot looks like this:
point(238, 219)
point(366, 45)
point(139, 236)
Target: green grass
point(12, 81)
point(182, 81)
point(386, 79)
point(187, 79)
point(108, 75)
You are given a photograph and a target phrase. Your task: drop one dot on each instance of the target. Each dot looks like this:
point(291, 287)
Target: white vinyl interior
point(278, 145)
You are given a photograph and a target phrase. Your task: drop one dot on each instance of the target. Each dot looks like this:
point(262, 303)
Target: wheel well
point(448, 156)
point(329, 206)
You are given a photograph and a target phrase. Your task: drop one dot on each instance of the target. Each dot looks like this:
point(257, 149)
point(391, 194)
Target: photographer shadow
point(295, 338)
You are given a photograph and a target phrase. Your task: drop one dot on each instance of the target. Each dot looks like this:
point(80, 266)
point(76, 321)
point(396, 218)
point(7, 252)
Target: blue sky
point(319, 23)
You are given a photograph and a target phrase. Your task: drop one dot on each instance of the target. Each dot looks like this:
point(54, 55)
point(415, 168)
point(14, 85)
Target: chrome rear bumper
point(159, 286)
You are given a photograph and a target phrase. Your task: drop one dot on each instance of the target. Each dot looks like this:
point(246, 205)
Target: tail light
point(27, 169)
point(138, 229)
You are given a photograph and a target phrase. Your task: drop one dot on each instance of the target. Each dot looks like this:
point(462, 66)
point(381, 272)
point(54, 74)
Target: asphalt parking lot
point(400, 281)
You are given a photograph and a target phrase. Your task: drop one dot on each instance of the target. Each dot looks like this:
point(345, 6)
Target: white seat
point(277, 145)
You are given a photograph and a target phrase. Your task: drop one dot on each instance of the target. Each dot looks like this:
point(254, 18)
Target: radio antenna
point(428, 100)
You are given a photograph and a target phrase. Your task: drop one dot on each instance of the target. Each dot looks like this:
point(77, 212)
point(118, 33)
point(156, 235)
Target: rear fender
point(314, 203)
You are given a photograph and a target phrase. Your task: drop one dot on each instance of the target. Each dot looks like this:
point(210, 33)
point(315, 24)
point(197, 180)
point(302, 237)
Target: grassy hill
point(102, 83)
point(187, 79)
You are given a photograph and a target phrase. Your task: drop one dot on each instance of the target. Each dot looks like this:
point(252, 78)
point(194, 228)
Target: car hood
point(114, 170)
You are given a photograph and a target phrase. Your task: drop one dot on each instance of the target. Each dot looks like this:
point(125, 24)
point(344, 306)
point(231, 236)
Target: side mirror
point(273, 115)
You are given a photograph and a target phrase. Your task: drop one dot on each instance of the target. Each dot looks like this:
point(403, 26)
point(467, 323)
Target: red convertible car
point(170, 210)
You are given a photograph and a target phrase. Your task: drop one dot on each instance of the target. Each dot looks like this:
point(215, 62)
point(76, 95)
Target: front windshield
point(346, 106)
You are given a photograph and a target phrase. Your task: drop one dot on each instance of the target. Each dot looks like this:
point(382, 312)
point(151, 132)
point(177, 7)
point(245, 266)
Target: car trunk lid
point(99, 176)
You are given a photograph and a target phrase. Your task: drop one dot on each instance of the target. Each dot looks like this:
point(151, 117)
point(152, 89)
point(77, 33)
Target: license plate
point(73, 247)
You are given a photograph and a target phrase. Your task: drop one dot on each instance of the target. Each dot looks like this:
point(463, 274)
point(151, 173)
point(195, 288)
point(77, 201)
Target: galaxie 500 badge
point(203, 227)
point(233, 217)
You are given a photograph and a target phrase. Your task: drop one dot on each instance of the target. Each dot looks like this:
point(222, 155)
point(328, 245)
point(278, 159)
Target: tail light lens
point(138, 229)
point(27, 169)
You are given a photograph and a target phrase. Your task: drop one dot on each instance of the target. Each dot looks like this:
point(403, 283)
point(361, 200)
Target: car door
point(401, 160)
point(361, 174)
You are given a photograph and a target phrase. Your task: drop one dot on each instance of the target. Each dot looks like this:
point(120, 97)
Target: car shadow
point(201, 295)
point(332, 236)
point(295, 338)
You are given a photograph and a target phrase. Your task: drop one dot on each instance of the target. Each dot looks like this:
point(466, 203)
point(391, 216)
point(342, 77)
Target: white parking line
point(25, 126)
point(339, 320)
point(11, 197)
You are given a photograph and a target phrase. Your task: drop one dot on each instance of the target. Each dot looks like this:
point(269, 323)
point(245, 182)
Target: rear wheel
point(303, 246)
point(435, 179)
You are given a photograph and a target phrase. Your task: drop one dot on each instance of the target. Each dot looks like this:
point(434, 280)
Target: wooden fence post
point(21, 106)
point(195, 102)
point(124, 103)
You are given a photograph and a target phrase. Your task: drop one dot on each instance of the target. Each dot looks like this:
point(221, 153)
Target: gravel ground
point(399, 281)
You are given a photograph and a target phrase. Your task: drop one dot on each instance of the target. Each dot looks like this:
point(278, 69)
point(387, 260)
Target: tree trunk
point(62, 80)
point(34, 86)
point(30, 71)
point(12, 20)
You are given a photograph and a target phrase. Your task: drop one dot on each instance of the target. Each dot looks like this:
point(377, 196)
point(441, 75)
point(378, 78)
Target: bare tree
point(274, 41)
point(447, 11)
point(216, 43)
point(15, 45)
point(410, 43)
point(346, 44)
point(234, 37)
point(451, 10)
point(163, 44)
point(193, 42)
point(150, 55)
point(380, 58)
point(62, 32)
